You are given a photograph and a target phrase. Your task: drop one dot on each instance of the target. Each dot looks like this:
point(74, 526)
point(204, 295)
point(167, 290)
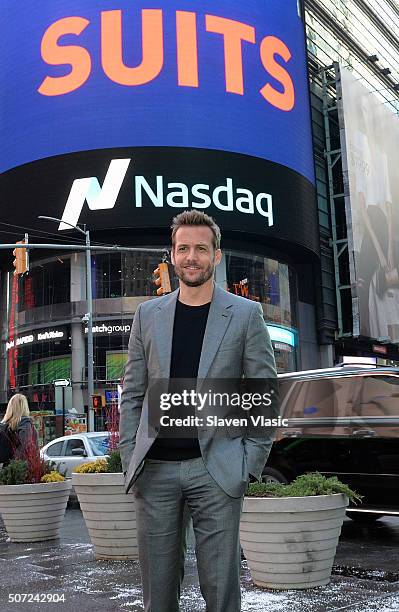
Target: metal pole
point(90, 361)
point(63, 410)
point(82, 247)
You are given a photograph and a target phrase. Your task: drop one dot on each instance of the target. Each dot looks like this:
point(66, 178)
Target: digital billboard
point(370, 137)
point(224, 75)
point(120, 114)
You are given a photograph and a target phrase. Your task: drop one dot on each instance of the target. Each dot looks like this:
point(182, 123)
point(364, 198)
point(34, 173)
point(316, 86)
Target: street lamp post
point(89, 318)
point(90, 357)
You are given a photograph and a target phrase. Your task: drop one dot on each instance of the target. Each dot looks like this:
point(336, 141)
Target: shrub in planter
point(15, 473)
point(112, 464)
point(289, 533)
point(33, 499)
point(108, 512)
point(99, 466)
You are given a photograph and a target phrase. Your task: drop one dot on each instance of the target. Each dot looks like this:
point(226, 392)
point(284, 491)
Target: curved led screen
point(226, 75)
point(143, 188)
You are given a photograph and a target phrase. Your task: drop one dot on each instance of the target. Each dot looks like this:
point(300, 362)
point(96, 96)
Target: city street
point(365, 578)
point(199, 301)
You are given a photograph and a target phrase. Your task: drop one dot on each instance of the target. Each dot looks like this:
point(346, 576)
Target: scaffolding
point(339, 206)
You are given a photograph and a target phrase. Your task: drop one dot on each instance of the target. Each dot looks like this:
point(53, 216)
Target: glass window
point(55, 449)
point(99, 445)
point(33, 375)
point(316, 397)
point(285, 357)
point(125, 274)
point(263, 280)
point(378, 396)
point(115, 365)
point(325, 46)
point(45, 284)
point(72, 445)
point(325, 398)
point(45, 371)
point(107, 275)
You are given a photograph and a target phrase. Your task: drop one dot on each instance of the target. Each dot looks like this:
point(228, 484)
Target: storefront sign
point(110, 328)
point(281, 334)
point(37, 336)
point(52, 334)
point(111, 395)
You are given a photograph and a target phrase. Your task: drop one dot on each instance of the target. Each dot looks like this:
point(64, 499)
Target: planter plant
point(289, 533)
point(108, 512)
point(33, 499)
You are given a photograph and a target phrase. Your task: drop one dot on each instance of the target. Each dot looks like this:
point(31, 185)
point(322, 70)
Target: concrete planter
point(109, 514)
point(290, 542)
point(34, 512)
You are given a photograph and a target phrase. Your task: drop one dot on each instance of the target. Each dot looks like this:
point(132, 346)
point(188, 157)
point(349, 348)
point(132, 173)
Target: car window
point(319, 404)
point(54, 450)
point(99, 445)
point(71, 445)
point(319, 397)
point(379, 396)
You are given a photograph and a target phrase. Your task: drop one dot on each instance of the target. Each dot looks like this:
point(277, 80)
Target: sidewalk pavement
point(67, 567)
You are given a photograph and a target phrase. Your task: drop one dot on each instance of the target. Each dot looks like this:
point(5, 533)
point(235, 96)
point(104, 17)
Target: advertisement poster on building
point(370, 140)
point(75, 424)
point(45, 424)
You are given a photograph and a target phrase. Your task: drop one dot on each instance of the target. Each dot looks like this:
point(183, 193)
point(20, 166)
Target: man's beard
point(200, 280)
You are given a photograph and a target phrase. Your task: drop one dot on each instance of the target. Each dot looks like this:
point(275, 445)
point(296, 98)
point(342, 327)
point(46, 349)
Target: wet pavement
point(365, 578)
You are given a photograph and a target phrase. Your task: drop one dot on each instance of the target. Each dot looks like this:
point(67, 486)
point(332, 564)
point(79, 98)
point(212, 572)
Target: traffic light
point(21, 261)
point(162, 279)
point(98, 401)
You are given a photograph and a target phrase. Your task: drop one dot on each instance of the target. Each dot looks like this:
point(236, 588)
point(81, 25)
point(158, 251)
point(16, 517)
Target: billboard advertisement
point(122, 113)
point(370, 135)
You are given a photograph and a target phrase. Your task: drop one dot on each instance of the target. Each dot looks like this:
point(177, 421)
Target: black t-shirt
point(188, 335)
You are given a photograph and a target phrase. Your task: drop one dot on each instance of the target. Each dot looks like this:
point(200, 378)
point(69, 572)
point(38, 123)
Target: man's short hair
point(195, 217)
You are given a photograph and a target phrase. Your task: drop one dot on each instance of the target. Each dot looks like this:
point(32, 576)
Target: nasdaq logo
point(225, 197)
point(89, 190)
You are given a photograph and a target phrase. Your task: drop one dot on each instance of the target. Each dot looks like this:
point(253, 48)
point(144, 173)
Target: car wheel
point(271, 475)
point(364, 518)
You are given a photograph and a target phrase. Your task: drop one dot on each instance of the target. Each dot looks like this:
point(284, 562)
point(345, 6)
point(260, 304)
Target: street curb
point(365, 574)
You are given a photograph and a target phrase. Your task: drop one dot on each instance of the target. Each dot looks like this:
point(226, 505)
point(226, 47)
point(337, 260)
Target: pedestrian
point(200, 331)
point(17, 427)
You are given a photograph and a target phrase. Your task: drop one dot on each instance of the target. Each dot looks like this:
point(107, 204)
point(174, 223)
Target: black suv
point(343, 421)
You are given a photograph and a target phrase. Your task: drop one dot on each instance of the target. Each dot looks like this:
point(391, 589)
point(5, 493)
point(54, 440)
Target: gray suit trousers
point(161, 492)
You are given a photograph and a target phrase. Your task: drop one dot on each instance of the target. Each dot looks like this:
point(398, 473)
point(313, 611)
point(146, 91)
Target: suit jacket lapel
point(164, 320)
point(219, 316)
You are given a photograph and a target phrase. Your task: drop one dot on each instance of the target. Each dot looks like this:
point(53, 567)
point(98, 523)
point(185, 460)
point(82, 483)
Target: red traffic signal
point(21, 260)
point(162, 279)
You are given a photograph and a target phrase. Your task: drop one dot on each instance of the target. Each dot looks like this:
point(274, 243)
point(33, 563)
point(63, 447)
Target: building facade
point(362, 37)
point(243, 140)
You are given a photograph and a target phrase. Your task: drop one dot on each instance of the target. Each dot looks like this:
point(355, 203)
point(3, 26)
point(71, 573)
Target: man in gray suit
point(198, 332)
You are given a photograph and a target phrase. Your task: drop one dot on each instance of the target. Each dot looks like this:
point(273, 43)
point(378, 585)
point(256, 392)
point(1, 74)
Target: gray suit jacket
point(236, 343)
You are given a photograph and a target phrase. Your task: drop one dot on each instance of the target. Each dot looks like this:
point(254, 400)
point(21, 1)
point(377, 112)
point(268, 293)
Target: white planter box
point(290, 542)
point(34, 512)
point(109, 514)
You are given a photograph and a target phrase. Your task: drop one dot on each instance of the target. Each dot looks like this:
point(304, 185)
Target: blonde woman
point(18, 427)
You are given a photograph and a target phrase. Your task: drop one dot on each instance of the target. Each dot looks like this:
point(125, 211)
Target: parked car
point(68, 452)
point(343, 421)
